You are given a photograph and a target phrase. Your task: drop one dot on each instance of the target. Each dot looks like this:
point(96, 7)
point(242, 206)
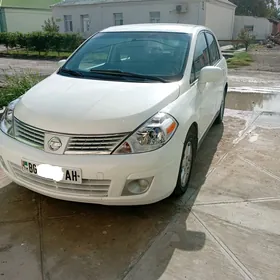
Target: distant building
point(260, 27)
point(24, 15)
point(89, 16)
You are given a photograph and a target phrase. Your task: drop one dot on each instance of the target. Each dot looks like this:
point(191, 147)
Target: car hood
point(85, 106)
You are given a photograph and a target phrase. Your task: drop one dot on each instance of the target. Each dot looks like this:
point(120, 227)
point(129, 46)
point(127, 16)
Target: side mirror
point(61, 62)
point(210, 74)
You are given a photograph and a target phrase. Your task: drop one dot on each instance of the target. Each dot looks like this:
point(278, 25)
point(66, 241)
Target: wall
point(101, 16)
point(262, 26)
point(25, 20)
point(220, 18)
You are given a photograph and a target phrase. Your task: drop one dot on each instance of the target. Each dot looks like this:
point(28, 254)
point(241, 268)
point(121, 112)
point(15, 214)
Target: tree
point(50, 26)
point(246, 37)
point(259, 8)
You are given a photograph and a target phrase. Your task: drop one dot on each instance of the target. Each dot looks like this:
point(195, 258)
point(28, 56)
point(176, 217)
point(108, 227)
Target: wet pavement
point(250, 101)
point(225, 227)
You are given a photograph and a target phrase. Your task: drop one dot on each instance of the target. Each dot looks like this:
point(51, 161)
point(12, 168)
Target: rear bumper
point(111, 170)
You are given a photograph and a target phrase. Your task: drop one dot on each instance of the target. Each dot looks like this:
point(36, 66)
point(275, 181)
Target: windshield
point(150, 54)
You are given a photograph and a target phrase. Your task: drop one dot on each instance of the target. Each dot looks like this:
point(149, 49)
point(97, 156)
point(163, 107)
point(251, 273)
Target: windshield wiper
point(128, 74)
point(71, 72)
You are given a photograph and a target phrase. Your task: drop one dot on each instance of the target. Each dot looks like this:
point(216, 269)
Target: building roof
point(92, 2)
point(28, 4)
point(157, 27)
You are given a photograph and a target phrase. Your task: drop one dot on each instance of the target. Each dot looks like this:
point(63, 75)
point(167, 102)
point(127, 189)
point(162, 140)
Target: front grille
point(94, 188)
point(95, 144)
point(29, 134)
point(82, 144)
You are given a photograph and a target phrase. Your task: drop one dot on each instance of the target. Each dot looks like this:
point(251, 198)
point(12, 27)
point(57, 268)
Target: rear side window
point(213, 48)
point(201, 57)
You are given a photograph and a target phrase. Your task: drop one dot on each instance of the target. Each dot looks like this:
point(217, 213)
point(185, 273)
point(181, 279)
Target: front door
point(206, 99)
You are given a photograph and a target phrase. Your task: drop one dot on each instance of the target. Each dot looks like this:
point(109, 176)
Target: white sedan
point(120, 122)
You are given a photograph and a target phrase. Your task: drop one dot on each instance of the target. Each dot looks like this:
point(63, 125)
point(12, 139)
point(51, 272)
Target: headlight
point(155, 133)
point(8, 118)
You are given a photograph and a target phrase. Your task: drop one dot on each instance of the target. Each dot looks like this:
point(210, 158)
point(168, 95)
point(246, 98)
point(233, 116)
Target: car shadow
point(85, 241)
point(177, 235)
point(203, 165)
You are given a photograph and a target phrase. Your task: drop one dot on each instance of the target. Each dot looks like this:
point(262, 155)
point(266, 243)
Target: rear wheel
point(188, 156)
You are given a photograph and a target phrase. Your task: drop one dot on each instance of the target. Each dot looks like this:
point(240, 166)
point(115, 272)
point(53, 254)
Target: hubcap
point(186, 164)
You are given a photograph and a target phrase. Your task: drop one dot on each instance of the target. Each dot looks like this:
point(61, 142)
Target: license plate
point(56, 173)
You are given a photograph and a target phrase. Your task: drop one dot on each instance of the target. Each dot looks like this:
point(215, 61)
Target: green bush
point(247, 38)
point(41, 41)
point(17, 83)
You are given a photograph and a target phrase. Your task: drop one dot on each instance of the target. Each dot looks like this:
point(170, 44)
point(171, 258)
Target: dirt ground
point(265, 59)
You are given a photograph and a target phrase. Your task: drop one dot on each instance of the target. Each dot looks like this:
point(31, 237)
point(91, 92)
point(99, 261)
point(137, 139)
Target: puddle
point(247, 101)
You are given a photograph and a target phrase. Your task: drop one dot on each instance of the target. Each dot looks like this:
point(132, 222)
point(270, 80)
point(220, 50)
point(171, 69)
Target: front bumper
point(109, 171)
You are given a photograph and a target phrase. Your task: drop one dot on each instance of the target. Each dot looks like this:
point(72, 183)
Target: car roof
point(156, 27)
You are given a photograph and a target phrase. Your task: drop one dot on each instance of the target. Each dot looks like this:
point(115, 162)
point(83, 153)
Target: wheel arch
point(194, 128)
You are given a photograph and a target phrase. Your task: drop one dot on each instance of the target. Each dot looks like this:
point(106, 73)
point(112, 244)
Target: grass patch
point(35, 54)
point(239, 60)
point(17, 83)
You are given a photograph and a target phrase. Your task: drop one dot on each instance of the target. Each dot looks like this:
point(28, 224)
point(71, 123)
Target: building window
point(68, 24)
point(85, 23)
point(249, 28)
point(118, 17)
point(154, 17)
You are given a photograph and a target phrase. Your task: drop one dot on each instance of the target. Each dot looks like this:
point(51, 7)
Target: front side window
point(68, 24)
point(213, 48)
point(118, 17)
point(154, 17)
point(158, 54)
point(201, 55)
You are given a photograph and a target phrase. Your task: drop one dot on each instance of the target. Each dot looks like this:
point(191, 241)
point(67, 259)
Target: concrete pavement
point(229, 228)
point(225, 227)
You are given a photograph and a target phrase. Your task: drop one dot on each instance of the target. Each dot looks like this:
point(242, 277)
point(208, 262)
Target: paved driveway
point(225, 227)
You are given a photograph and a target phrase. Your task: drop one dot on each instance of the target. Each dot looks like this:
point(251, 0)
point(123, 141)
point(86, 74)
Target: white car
point(120, 122)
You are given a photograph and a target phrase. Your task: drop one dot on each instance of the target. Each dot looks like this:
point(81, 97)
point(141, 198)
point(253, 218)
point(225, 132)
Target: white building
point(24, 16)
point(257, 26)
point(89, 16)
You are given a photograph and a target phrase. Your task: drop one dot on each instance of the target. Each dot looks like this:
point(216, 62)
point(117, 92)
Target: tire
point(220, 117)
point(190, 147)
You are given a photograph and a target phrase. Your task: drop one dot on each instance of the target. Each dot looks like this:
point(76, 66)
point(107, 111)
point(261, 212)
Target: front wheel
point(188, 156)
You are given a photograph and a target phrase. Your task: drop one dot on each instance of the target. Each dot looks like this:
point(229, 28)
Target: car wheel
point(188, 156)
point(220, 117)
